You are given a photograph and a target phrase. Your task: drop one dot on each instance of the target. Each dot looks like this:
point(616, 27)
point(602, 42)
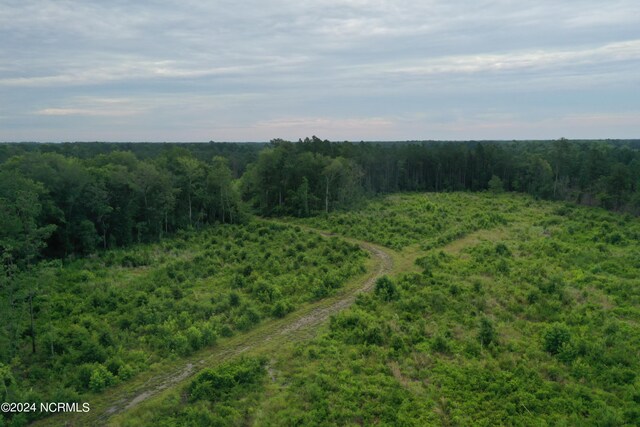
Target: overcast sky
point(252, 70)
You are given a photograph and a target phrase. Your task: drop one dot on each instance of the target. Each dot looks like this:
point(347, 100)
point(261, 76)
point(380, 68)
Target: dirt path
point(320, 314)
point(298, 326)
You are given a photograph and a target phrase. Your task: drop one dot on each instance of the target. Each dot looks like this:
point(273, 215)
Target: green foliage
point(109, 198)
point(222, 396)
point(101, 320)
point(357, 327)
point(553, 341)
point(502, 250)
point(386, 289)
point(555, 280)
point(100, 378)
point(495, 184)
point(430, 220)
point(556, 338)
point(487, 334)
point(218, 383)
point(22, 234)
point(281, 308)
point(7, 381)
point(287, 179)
point(440, 344)
point(112, 199)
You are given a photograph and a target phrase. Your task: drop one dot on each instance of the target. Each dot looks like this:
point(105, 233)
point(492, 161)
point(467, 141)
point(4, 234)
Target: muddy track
point(286, 330)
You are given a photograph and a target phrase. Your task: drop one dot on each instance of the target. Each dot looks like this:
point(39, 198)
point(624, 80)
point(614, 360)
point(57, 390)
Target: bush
point(226, 331)
point(234, 299)
point(487, 333)
point(217, 383)
point(502, 250)
point(6, 381)
point(281, 308)
point(180, 344)
point(91, 351)
point(248, 319)
point(555, 337)
point(386, 289)
point(194, 336)
point(440, 344)
point(100, 379)
point(125, 372)
point(135, 260)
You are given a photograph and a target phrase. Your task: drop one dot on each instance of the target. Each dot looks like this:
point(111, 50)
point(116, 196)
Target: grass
point(265, 338)
point(531, 319)
point(472, 336)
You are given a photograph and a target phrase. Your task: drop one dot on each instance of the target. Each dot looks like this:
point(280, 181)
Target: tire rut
point(313, 319)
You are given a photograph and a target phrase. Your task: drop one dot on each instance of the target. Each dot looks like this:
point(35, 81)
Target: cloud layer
point(341, 69)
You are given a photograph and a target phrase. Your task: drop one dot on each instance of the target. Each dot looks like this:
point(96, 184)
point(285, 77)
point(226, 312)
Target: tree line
point(55, 206)
point(604, 173)
point(319, 175)
point(72, 199)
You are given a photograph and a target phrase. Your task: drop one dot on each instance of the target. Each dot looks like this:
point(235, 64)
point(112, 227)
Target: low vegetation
point(99, 321)
point(431, 220)
point(536, 324)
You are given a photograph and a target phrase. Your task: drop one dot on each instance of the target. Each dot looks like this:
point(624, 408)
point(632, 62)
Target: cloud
point(80, 112)
point(344, 67)
point(96, 107)
point(527, 60)
point(127, 70)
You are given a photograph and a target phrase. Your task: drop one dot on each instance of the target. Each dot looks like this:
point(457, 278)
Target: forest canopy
point(73, 198)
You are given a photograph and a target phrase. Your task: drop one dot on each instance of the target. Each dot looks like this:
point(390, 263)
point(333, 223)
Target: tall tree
point(221, 198)
point(191, 173)
point(21, 239)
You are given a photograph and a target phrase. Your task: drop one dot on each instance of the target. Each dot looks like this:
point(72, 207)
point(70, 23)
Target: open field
point(105, 321)
point(531, 318)
point(531, 321)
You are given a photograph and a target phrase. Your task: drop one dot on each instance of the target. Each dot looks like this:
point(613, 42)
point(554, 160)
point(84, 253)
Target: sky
point(354, 70)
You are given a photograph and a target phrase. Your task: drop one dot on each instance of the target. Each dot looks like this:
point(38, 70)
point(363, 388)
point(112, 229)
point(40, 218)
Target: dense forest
point(115, 257)
point(63, 199)
point(592, 173)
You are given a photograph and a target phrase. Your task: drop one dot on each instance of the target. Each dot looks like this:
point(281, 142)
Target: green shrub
point(195, 338)
point(281, 308)
point(214, 384)
point(234, 299)
point(180, 344)
point(487, 334)
point(440, 344)
point(386, 289)
point(100, 379)
point(555, 337)
point(502, 250)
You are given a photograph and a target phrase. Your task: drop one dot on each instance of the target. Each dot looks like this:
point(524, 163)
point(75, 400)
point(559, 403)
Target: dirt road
point(299, 325)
